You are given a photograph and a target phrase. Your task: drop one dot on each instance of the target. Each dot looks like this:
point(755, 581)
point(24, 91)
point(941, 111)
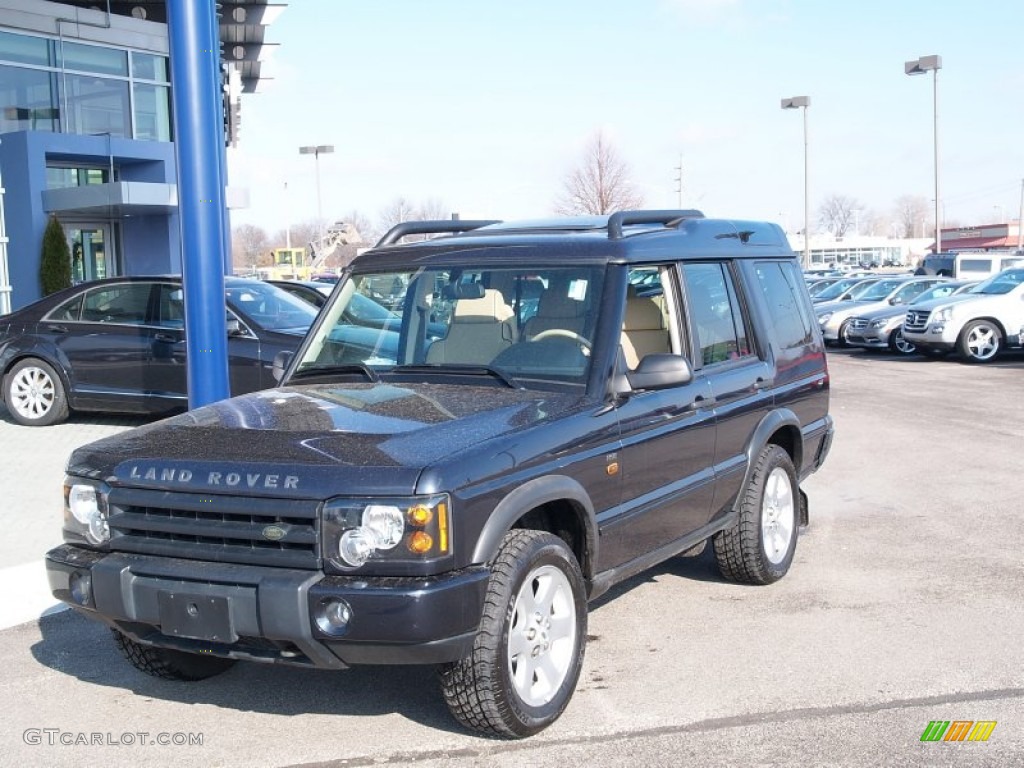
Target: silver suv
point(979, 324)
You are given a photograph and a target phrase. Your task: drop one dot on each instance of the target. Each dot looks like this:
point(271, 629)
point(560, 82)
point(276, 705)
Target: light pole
point(795, 103)
point(918, 67)
point(316, 151)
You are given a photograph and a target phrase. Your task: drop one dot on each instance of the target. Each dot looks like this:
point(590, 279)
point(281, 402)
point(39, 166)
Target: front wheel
point(529, 648)
point(980, 341)
point(899, 344)
point(759, 548)
point(34, 394)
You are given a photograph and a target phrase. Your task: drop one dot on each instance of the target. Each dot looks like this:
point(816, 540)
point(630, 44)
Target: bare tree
point(911, 212)
point(398, 210)
point(434, 209)
point(837, 214)
point(600, 184)
point(250, 245)
point(877, 223)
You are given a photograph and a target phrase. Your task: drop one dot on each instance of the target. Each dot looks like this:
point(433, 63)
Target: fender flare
point(768, 426)
point(530, 495)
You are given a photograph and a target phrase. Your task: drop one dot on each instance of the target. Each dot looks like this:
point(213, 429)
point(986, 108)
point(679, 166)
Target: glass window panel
point(25, 49)
point(122, 304)
point(59, 178)
point(147, 66)
point(96, 105)
point(716, 312)
point(93, 58)
point(27, 96)
point(152, 112)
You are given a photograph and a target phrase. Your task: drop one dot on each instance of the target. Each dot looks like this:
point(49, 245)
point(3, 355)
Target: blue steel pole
point(219, 85)
point(195, 59)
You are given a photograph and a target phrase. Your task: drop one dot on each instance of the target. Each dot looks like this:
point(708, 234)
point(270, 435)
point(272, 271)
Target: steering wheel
point(551, 333)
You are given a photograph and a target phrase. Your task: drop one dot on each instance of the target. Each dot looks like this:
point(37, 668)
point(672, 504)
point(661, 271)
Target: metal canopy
point(242, 23)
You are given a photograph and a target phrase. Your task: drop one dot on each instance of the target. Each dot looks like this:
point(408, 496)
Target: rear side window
point(124, 304)
point(780, 284)
point(719, 325)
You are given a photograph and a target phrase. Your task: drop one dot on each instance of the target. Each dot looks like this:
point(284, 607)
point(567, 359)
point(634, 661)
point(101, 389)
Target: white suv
point(978, 324)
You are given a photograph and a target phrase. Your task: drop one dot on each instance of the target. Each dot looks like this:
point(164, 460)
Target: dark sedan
point(118, 346)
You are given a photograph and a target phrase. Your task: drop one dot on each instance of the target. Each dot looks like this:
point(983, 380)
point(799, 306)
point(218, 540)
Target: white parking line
point(25, 595)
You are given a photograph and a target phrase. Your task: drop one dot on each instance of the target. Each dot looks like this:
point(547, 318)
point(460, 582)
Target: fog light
point(333, 616)
point(80, 586)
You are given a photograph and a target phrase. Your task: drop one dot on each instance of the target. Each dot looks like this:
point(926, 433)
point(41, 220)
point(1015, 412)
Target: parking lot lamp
point(798, 102)
point(316, 151)
point(918, 67)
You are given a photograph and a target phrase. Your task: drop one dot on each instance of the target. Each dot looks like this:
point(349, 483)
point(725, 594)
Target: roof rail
point(617, 221)
point(399, 231)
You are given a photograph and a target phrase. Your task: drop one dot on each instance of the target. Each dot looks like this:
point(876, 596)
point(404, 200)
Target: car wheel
point(170, 664)
point(529, 648)
point(899, 345)
point(34, 394)
point(841, 334)
point(759, 548)
point(980, 341)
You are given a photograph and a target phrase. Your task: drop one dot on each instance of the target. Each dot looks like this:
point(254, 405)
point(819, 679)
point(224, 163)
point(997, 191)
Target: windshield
point(875, 291)
point(514, 324)
point(1004, 282)
point(268, 306)
point(837, 289)
point(939, 291)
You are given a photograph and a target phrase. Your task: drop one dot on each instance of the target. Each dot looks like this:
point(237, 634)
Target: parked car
point(313, 291)
point(979, 324)
point(841, 288)
point(820, 284)
point(834, 316)
point(118, 346)
point(883, 328)
point(461, 503)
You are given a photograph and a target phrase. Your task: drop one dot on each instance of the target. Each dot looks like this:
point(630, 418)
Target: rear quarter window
point(780, 285)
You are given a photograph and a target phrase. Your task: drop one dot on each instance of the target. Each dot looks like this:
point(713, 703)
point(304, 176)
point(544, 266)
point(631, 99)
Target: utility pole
point(1020, 219)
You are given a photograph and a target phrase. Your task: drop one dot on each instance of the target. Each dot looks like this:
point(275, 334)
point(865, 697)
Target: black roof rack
point(617, 221)
point(399, 231)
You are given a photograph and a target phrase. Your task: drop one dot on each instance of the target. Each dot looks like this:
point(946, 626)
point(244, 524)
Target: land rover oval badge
point(274, 532)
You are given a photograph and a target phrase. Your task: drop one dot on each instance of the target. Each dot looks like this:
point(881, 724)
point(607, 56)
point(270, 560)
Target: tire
point(841, 334)
point(169, 664)
point(980, 341)
point(34, 394)
point(529, 648)
point(759, 548)
point(899, 345)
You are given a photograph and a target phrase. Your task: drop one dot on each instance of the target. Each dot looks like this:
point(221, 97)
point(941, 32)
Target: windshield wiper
point(336, 370)
point(461, 370)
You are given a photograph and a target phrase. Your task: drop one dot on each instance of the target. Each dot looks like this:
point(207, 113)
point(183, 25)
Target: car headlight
point(85, 512)
point(942, 315)
point(883, 322)
point(387, 530)
point(824, 317)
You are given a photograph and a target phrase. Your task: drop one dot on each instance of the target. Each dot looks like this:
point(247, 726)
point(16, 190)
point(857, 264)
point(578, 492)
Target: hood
point(313, 441)
point(899, 310)
point(928, 306)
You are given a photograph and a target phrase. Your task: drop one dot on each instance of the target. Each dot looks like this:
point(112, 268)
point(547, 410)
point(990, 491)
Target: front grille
point(229, 529)
point(858, 324)
point(917, 320)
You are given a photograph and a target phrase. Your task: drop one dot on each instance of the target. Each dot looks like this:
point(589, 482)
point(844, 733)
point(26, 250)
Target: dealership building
point(86, 132)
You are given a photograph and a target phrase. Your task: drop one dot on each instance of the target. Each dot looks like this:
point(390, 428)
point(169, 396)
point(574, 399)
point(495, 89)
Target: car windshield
point(513, 324)
point(268, 306)
point(875, 291)
point(837, 289)
point(938, 292)
point(1004, 282)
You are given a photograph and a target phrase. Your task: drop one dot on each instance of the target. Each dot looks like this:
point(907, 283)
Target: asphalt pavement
point(903, 607)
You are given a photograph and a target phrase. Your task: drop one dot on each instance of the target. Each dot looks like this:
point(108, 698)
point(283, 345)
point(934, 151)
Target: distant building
point(86, 131)
point(984, 237)
point(853, 250)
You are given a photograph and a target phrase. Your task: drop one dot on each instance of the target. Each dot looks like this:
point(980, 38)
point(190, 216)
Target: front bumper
point(269, 614)
point(870, 338)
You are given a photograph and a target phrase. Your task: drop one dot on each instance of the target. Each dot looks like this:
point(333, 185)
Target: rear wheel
point(169, 664)
point(529, 648)
point(34, 394)
point(980, 341)
point(759, 548)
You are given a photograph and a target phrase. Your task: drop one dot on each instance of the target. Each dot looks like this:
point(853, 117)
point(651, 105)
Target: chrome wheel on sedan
point(899, 344)
point(34, 394)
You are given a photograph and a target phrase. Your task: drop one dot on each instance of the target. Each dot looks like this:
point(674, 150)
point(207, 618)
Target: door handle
point(167, 337)
point(59, 328)
point(704, 401)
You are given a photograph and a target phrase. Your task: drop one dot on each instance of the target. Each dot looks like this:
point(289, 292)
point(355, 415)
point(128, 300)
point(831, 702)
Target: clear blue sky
point(486, 106)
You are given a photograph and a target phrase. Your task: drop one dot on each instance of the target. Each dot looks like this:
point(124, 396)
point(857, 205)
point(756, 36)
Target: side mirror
point(234, 327)
point(281, 362)
point(660, 371)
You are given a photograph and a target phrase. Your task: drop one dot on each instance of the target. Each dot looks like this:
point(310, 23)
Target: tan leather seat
point(556, 310)
point(643, 328)
point(479, 331)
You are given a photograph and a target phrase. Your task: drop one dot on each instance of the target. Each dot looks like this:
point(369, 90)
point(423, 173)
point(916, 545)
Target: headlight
point(882, 323)
point(824, 317)
point(85, 512)
point(389, 530)
point(942, 315)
